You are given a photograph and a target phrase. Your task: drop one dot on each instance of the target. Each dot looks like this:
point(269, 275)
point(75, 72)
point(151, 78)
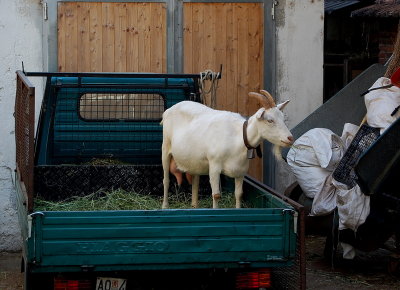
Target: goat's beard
point(277, 151)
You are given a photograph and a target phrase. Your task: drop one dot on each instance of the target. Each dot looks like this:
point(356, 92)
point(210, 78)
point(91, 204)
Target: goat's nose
point(291, 139)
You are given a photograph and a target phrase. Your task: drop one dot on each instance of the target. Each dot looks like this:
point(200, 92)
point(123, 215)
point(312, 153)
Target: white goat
point(205, 141)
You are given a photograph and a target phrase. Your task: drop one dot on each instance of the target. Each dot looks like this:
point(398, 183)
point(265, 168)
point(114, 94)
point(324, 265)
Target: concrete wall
point(20, 28)
point(299, 65)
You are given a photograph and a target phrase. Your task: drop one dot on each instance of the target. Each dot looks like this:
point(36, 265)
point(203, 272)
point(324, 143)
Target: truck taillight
point(70, 284)
point(258, 279)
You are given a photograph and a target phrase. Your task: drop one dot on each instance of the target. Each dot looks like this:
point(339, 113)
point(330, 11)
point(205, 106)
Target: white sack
point(381, 103)
point(349, 252)
point(313, 157)
point(348, 134)
point(353, 206)
point(324, 201)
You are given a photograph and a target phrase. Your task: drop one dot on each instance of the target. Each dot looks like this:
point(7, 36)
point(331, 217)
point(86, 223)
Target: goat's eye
point(270, 121)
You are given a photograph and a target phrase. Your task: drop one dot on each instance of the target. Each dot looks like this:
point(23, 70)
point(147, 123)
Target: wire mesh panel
point(123, 106)
point(24, 133)
point(60, 182)
point(344, 172)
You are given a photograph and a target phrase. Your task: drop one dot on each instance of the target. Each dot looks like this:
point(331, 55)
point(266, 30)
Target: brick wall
point(386, 44)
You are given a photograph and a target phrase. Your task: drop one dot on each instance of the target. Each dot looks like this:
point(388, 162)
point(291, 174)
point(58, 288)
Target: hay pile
point(124, 200)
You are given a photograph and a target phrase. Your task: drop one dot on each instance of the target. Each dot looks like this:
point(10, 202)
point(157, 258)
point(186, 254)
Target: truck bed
point(71, 132)
point(164, 239)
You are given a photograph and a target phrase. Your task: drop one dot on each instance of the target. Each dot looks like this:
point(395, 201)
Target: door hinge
point(274, 4)
point(45, 10)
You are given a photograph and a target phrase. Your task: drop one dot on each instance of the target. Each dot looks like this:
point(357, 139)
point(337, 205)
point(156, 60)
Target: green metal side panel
point(162, 239)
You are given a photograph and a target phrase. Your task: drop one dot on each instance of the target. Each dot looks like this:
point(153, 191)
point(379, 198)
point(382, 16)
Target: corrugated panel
point(332, 5)
point(385, 9)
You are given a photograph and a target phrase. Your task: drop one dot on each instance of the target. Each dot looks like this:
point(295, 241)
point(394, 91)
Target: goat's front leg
point(166, 159)
point(214, 181)
point(239, 191)
point(195, 191)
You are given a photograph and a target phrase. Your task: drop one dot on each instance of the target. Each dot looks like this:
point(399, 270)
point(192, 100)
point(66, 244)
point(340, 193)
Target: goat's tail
point(164, 115)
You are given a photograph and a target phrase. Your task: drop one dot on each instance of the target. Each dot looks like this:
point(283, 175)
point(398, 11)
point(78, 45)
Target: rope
point(213, 77)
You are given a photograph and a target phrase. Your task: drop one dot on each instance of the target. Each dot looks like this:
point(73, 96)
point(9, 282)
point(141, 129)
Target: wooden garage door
point(230, 34)
point(111, 37)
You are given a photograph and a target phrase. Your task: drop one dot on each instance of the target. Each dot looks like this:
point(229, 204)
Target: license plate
point(104, 283)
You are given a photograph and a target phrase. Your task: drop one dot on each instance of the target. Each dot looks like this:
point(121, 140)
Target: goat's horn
point(263, 100)
point(269, 97)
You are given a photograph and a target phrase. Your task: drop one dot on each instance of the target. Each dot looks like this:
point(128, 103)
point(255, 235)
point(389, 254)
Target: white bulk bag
point(313, 157)
point(353, 206)
point(381, 103)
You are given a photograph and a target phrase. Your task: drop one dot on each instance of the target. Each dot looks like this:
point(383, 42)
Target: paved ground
point(10, 268)
point(373, 270)
point(368, 271)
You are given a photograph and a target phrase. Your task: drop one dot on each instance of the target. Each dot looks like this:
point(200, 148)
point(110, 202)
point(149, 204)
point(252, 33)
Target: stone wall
point(21, 23)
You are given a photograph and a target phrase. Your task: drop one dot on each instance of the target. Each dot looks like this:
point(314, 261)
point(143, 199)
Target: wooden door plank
point(120, 37)
point(203, 63)
point(188, 38)
point(61, 30)
point(144, 36)
point(96, 38)
point(83, 50)
point(198, 44)
point(108, 23)
point(220, 52)
point(132, 39)
point(71, 37)
point(242, 16)
point(157, 37)
point(232, 51)
point(256, 52)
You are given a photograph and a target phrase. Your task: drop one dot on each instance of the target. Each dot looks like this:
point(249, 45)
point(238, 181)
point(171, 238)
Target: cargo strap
point(250, 149)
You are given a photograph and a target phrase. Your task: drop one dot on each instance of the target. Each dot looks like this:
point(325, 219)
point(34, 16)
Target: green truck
point(97, 116)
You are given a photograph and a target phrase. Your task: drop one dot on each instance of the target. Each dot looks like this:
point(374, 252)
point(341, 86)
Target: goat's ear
point(260, 113)
point(281, 106)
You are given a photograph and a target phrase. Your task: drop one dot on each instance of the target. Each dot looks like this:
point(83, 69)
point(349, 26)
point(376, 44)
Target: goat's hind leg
point(195, 191)
point(166, 159)
point(215, 188)
point(238, 191)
